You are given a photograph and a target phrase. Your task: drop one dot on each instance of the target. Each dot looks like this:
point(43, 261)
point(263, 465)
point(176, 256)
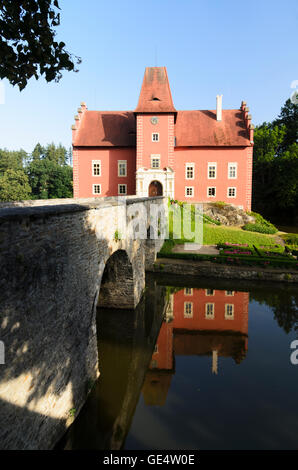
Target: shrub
point(219, 204)
point(261, 221)
point(259, 228)
point(291, 238)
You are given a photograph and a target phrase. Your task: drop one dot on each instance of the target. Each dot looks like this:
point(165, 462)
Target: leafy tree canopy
point(14, 186)
point(27, 42)
point(11, 159)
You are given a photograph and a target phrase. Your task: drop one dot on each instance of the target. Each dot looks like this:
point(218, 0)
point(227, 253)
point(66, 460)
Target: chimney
point(218, 107)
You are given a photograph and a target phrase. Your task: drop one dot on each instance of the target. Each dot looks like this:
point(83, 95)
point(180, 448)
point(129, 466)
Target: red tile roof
point(155, 96)
point(200, 128)
point(107, 129)
point(192, 129)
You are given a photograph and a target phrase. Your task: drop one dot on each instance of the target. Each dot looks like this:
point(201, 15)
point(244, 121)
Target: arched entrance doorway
point(155, 189)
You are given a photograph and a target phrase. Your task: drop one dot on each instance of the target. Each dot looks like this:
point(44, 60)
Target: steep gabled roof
point(155, 96)
point(200, 129)
point(107, 129)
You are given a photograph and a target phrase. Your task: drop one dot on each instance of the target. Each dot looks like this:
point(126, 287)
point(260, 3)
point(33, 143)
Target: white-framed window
point(229, 311)
point(122, 167)
point(209, 311)
point(211, 191)
point(155, 349)
point(188, 291)
point(155, 161)
point(122, 189)
point(232, 171)
point(209, 292)
point(96, 188)
point(231, 192)
point(190, 171)
point(188, 309)
point(229, 293)
point(155, 137)
point(212, 167)
point(189, 191)
point(96, 167)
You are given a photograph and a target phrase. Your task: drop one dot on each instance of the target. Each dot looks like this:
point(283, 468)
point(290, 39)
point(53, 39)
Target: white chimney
point(218, 107)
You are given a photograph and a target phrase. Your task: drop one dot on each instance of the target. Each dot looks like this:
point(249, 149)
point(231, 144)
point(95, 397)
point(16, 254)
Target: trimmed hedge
point(290, 238)
point(259, 228)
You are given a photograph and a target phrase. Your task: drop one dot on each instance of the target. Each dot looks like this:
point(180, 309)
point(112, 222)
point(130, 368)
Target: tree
point(14, 186)
point(27, 42)
point(289, 119)
point(275, 166)
point(11, 159)
point(50, 180)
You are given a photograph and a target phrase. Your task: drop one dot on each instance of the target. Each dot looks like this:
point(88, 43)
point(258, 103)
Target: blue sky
point(243, 50)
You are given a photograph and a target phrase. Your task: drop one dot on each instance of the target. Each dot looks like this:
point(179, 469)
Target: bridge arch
point(117, 282)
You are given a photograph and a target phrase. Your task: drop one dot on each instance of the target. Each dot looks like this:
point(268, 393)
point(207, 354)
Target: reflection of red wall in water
point(191, 333)
point(162, 358)
point(198, 321)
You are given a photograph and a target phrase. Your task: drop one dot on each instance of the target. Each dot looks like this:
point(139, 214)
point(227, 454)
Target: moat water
point(198, 365)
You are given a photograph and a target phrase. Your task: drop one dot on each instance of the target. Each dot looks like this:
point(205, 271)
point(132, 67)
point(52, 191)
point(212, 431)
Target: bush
point(291, 238)
point(260, 228)
point(261, 221)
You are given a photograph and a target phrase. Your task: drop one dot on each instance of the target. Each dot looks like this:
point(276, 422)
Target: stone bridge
point(60, 259)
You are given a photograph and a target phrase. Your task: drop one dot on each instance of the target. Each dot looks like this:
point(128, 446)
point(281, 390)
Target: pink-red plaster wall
point(222, 156)
point(146, 147)
point(109, 179)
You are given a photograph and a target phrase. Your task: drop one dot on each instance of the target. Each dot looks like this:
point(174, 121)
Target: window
point(188, 311)
point(229, 311)
point(229, 292)
point(189, 191)
point(211, 170)
point(155, 137)
point(122, 168)
point(155, 161)
point(189, 171)
point(231, 192)
point(211, 192)
point(232, 171)
point(96, 188)
point(96, 167)
point(209, 311)
point(155, 349)
point(188, 291)
point(209, 291)
point(122, 189)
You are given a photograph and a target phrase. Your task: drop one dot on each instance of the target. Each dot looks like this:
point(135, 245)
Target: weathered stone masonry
point(52, 261)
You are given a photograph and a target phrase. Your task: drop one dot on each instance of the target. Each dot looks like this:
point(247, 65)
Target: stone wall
point(207, 269)
point(52, 261)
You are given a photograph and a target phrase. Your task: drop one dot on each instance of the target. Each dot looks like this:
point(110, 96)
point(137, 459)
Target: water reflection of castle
point(203, 322)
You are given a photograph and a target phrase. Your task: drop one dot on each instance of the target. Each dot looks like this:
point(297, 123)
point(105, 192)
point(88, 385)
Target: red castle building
point(197, 155)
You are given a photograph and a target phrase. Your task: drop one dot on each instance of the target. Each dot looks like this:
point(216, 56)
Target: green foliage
point(43, 175)
point(12, 160)
point(275, 165)
point(72, 412)
point(49, 180)
point(290, 238)
point(219, 204)
point(14, 186)
point(117, 236)
point(27, 42)
point(259, 228)
point(261, 221)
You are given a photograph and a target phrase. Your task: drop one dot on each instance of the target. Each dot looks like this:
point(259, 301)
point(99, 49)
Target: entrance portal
point(155, 189)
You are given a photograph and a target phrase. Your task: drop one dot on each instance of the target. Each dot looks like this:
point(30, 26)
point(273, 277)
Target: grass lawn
point(214, 234)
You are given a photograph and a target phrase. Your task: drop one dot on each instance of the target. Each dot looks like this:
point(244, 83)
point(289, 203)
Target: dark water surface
point(198, 365)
